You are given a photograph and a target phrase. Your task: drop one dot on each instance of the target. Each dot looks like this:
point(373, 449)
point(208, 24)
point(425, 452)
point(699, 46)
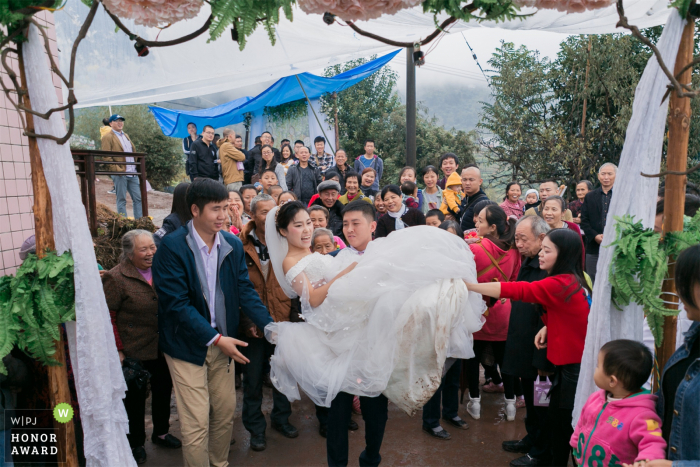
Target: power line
point(476, 59)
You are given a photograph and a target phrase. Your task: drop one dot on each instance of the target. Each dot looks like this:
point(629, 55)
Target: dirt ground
point(405, 444)
point(159, 203)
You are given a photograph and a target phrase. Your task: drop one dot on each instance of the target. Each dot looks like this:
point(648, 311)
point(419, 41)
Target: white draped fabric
point(634, 195)
point(317, 130)
point(109, 71)
point(98, 373)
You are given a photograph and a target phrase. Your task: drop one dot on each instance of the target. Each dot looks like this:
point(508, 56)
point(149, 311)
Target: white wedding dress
point(387, 327)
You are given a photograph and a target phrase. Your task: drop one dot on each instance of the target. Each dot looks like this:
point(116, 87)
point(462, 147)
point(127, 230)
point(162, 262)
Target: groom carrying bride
point(358, 226)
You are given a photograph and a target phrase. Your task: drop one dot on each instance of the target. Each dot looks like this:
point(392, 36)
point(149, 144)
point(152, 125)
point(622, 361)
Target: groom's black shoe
point(517, 445)
point(258, 442)
point(353, 426)
point(442, 434)
point(169, 442)
point(287, 430)
point(323, 430)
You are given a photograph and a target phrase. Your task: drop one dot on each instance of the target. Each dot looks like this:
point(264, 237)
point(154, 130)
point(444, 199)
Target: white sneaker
point(474, 407)
point(510, 409)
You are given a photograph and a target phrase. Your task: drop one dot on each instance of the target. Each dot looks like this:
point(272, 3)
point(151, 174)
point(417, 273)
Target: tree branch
point(673, 172)
point(441, 28)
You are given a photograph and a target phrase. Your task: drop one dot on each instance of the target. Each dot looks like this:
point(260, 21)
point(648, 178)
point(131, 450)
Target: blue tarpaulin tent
point(174, 122)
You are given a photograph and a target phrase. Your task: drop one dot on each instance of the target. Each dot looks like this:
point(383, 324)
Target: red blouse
point(566, 321)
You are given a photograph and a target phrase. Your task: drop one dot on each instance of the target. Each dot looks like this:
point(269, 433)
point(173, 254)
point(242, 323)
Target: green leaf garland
point(34, 303)
point(639, 266)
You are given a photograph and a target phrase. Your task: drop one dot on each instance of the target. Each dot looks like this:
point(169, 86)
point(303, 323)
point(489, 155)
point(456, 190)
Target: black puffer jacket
point(170, 225)
point(335, 216)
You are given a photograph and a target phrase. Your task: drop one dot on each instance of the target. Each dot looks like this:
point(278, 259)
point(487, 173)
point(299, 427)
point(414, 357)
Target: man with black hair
point(370, 159)
point(358, 226)
point(259, 349)
point(448, 164)
point(202, 282)
point(203, 156)
point(434, 218)
point(256, 152)
point(302, 178)
point(322, 159)
point(298, 144)
point(284, 141)
point(249, 163)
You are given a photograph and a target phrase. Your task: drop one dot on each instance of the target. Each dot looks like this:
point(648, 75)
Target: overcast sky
point(451, 60)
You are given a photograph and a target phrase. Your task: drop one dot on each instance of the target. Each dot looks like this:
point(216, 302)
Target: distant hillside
point(454, 105)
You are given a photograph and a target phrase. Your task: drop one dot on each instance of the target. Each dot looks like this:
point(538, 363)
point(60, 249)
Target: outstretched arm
point(489, 289)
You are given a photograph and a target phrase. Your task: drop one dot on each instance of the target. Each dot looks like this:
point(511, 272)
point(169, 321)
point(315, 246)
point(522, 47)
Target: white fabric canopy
point(109, 72)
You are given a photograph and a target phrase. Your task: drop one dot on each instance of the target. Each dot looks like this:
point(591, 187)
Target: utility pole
point(410, 109)
point(676, 160)
point(585, 90)
point(59, 390)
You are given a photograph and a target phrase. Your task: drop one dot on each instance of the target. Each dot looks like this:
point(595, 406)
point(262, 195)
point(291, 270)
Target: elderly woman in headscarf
point(133, 306)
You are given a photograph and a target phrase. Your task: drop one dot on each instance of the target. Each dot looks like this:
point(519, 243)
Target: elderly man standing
point(328, 192)
point(118, 141)
point(231, 160)
point(521, 358)
point(594, 212)
point(471, 186)
point(548, 188)
point(260, 350)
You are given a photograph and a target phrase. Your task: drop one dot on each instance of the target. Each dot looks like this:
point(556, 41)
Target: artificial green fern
point(639, 266)
point(245, 15)
point(34, 303)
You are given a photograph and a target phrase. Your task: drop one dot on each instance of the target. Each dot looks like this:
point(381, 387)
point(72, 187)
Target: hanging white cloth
point(98, 374)
point(318, 130)
point(257, 126)
point(634, 195)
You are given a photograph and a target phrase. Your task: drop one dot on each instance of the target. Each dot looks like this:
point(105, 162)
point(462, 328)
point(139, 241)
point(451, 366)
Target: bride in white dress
point(383, 325)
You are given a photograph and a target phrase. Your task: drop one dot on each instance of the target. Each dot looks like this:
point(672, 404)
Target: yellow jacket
point(229, 157)
point(110, 142)
point(451, 200)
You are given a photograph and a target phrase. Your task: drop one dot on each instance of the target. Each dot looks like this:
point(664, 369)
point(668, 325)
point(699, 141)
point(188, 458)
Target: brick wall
point(16, 197)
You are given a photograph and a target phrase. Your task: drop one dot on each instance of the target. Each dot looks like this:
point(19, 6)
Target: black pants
point(560, 413)
point(536, 424)
point(135, 403)
point(499, 348)
point(448, 393)
point(259, 352)
point(374, 413)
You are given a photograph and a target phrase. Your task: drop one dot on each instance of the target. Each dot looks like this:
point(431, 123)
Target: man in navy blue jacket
point(201, 278)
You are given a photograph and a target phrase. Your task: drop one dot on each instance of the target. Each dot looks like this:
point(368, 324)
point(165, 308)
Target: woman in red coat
point(497, 260)
point(565, 299)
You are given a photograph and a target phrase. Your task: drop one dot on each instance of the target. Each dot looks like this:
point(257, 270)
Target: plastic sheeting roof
point(174, 122)
point(109, 72)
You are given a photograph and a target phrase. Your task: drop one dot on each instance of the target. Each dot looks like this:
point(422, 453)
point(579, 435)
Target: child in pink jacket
point(618, 424)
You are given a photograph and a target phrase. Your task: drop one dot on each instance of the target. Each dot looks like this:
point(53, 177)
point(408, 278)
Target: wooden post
point(674, 198)
point(43, 228)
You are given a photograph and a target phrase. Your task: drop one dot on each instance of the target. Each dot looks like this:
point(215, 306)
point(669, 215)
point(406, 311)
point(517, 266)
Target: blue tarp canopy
point(174, 122)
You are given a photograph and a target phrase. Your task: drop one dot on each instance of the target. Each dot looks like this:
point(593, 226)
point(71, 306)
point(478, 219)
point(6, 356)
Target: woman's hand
point(121, 357)
point(541, 339)
point(237, 222)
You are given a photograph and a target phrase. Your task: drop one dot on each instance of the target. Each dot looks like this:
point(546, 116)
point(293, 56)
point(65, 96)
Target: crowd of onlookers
point(535, 255)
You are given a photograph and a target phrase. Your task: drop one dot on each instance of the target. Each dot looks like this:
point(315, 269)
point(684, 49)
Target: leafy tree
point(372, 109)
point(533, 130)
point(164, 163)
